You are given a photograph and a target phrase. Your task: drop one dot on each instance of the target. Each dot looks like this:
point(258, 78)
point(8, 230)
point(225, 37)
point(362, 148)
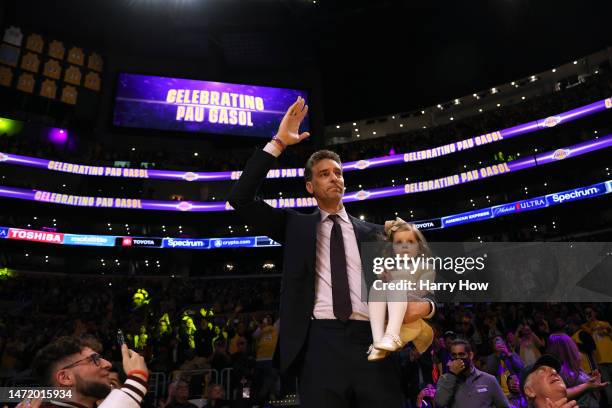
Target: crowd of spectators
point(193, 330)
point(183, 325)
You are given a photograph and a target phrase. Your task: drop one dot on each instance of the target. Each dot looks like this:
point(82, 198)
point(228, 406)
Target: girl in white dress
point(406, 239)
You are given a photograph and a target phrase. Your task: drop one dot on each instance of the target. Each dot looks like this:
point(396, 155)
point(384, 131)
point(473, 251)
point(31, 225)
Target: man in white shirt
point(68, 363)
point(324, 323)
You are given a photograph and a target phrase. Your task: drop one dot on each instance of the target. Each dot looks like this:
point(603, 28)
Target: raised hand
point(456, 366)
point(133, 361)
point(595, 383)
point(289, 128)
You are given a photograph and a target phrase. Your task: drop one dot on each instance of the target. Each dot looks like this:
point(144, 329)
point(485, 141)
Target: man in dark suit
point(324, 326)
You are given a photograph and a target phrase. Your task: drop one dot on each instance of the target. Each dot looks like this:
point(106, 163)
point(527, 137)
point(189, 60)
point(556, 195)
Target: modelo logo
point(190, 176)
point(552, 121)
point(561, 154)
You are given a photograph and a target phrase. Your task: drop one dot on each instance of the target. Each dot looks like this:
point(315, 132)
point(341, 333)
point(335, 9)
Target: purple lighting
point(58, 136)
point(301, 202)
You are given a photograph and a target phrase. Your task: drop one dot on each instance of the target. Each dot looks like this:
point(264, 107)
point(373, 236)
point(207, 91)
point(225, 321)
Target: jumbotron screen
point(153, 102)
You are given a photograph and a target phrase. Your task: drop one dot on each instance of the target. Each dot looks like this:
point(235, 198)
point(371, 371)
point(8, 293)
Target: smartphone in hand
point(120, 338)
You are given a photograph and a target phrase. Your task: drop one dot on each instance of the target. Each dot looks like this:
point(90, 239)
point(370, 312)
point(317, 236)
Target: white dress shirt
point(324, 303)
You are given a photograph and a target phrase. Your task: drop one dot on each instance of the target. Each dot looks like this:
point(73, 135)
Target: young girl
point(408, 240)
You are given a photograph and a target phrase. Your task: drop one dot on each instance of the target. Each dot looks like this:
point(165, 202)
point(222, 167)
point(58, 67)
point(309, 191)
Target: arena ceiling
point(375, 57)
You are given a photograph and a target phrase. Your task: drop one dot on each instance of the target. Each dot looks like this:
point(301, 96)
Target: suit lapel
point(361, 231)
point(310, 240)
point(364, 234)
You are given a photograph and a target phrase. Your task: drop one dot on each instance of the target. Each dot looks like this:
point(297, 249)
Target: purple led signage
point(410, 188)
point(123, 172)
point(530, 204)
point(466, 144)
point(163, 103)
point(472, 142)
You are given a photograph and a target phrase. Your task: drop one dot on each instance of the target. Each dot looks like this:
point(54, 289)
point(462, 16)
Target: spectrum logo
point(185, 243)
point(576, 194)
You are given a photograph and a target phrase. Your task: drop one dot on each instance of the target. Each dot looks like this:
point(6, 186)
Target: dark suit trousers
point(335, 372)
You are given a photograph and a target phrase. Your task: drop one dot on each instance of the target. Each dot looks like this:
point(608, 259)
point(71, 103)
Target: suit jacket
point(298, 234)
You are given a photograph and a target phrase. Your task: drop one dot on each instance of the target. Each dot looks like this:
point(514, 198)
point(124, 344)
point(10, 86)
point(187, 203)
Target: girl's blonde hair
point(399, 225)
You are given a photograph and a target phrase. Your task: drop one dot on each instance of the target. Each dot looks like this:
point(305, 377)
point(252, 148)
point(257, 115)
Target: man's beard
point(97, 390)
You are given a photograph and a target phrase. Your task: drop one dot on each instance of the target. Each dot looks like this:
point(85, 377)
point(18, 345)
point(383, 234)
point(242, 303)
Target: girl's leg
point(397, 310)
point(378, 311)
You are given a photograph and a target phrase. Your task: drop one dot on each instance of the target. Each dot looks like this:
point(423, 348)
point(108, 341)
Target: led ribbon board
point(362, 195)
point(530, 204)
point(434, 152)
point(153, 102)
point(19, 234)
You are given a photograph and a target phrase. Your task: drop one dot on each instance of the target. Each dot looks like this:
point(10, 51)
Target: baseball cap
point(450, 333)
point(546, 360)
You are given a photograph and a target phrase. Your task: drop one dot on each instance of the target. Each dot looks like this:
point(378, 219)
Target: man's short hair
point(461, 342)
point(89, 340)
point(46, 359)
point(317, 157)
